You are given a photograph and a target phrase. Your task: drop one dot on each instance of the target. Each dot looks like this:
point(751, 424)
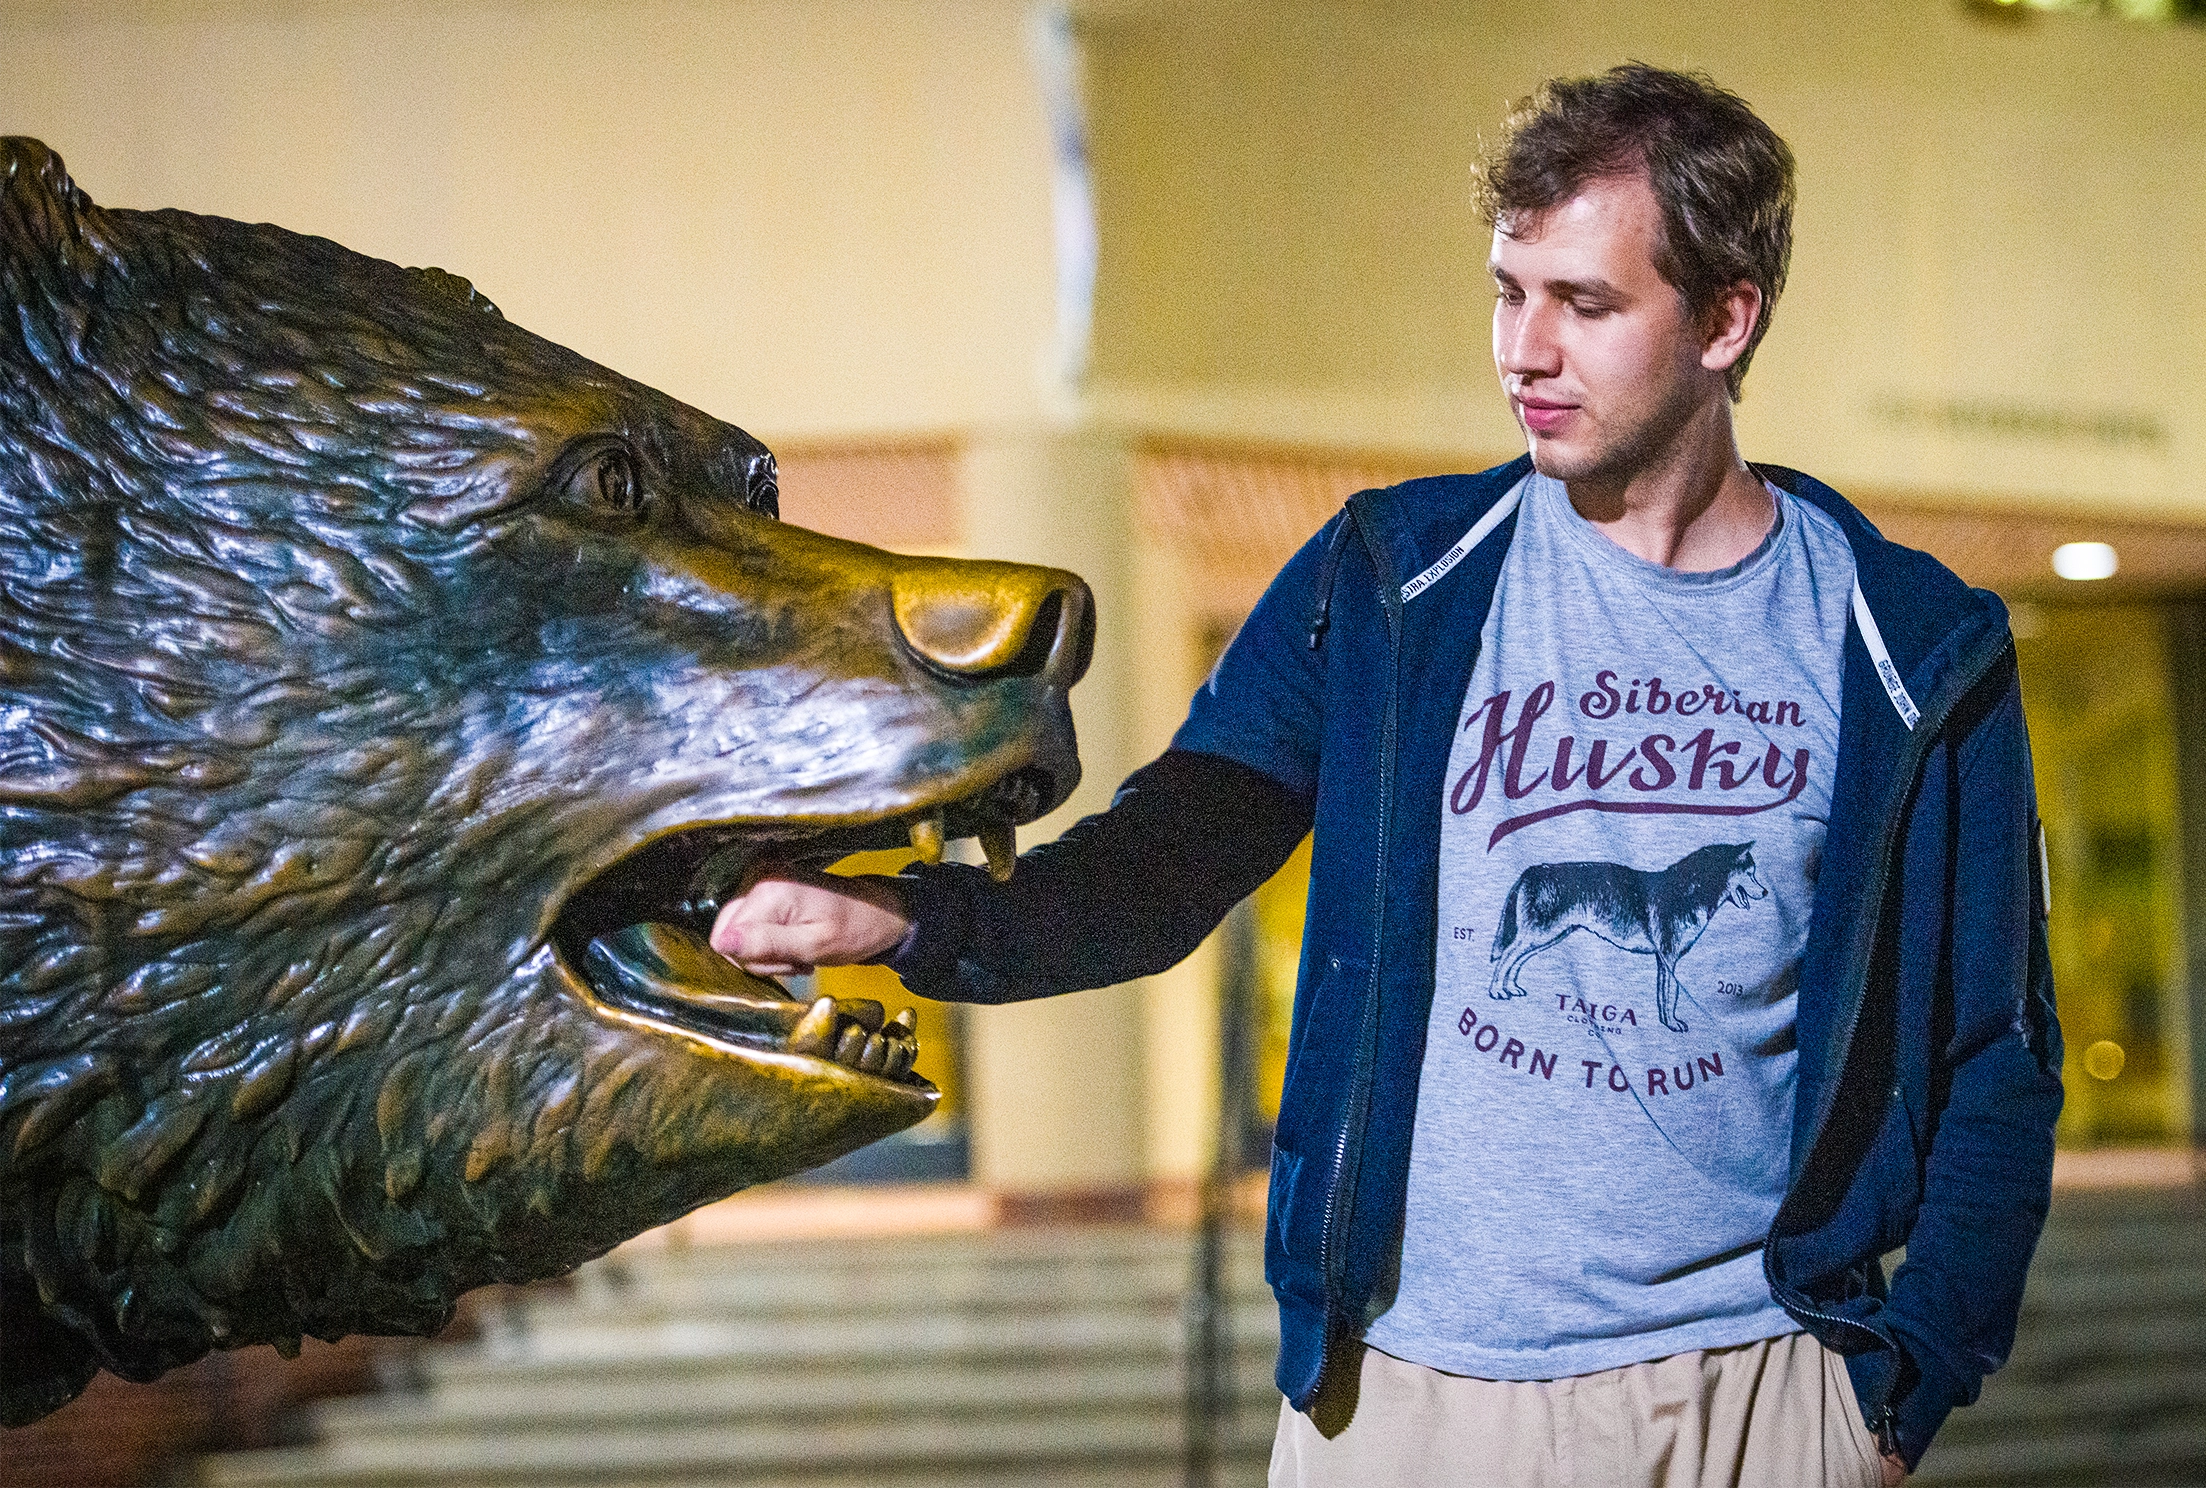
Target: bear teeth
point(926, 836)
point(672, 974)
point(1001, 845)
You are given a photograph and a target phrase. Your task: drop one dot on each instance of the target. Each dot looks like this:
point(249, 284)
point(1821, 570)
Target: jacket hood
point(1919, 603)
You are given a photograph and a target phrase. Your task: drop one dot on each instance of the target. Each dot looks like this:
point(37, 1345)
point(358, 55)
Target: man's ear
point(1727, 329)
point(44, 218)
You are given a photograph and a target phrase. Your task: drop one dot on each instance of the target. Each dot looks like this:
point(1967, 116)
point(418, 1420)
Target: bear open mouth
point(636, 933)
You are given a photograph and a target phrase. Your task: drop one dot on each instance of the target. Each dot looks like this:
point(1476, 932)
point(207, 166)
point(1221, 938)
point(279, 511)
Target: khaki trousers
point(1776, 1414)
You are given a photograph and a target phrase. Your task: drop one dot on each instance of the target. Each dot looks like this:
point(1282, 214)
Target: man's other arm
point(1988, 1177)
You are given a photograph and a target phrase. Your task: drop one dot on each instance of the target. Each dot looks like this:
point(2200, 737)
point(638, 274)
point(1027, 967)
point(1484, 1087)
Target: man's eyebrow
point(1581, 289)
point(1561, 289)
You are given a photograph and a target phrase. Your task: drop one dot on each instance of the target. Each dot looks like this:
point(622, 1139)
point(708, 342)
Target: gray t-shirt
point(1634, 821)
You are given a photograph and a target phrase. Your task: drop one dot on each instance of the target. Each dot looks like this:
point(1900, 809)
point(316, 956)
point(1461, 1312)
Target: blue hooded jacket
point(1929, 1054)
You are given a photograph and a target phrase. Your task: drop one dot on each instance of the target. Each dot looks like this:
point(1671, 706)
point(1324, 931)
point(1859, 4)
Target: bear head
point(387, 696)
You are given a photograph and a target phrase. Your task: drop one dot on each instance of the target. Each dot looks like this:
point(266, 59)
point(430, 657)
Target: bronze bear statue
point(387, 696)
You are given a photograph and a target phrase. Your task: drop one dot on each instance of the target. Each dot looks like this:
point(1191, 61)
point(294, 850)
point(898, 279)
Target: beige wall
point(804, 217)
point(2004, 215)
point(1059, 1086)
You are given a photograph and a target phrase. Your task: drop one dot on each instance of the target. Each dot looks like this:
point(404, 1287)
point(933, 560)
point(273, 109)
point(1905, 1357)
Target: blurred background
point(1145, 288)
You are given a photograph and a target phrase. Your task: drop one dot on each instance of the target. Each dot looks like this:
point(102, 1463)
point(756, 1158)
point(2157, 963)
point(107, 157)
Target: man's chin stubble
point(1615, 467)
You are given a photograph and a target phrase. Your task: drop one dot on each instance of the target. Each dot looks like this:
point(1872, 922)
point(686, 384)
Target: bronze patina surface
point(386, 697)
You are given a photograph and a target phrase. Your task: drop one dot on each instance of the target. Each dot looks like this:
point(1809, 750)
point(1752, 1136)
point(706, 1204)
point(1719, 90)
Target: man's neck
point(1695, 508)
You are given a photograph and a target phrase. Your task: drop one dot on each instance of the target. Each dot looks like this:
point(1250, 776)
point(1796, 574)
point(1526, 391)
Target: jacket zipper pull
point(1888, 1431)
point(1321, 618)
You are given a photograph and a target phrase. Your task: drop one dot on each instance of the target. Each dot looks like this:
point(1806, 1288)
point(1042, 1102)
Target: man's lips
point(1541, 416)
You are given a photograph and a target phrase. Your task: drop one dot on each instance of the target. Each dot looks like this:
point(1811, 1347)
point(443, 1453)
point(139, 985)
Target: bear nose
point(986, 620)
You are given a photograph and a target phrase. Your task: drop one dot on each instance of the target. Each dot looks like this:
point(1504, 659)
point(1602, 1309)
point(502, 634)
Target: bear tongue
point(674, 976)
point(674, 973)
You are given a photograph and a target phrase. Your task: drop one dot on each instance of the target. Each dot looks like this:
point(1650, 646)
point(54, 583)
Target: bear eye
point(762, 485)
point(607, 481)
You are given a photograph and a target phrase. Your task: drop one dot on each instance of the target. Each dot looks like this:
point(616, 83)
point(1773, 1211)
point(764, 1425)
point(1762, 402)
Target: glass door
point(2096, 686)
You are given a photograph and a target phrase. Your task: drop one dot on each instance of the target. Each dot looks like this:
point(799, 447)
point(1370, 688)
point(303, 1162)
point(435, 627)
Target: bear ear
point(453, 287)
point(42, 213)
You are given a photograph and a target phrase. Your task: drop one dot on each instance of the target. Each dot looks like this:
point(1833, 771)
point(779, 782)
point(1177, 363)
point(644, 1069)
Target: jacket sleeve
point(1987, 1178)
point(1133, 889)
point(1264, 701)
point(1123, 893)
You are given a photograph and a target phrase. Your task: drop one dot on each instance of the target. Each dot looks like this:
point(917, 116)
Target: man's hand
point(1895, 1470)
point(793, 920)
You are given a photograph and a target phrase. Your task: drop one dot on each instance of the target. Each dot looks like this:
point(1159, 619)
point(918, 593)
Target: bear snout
point(995, 620)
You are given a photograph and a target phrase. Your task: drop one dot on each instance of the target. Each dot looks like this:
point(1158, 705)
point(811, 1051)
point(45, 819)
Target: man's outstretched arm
point(1122, 894)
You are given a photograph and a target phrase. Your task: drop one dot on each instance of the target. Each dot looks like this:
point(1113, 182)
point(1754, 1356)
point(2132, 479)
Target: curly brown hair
point(1722, 177)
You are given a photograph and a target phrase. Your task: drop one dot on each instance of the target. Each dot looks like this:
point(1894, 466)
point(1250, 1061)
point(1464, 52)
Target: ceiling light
point(2084, 560)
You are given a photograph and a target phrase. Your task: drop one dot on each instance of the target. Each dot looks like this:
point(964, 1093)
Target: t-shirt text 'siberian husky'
point(1635, 811)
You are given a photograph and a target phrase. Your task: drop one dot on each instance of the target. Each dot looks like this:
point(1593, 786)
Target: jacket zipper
point(1366, 1039)
point(1923, 739)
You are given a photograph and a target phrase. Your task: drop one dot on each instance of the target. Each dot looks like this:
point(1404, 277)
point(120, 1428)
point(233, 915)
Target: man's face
point(1600, 360)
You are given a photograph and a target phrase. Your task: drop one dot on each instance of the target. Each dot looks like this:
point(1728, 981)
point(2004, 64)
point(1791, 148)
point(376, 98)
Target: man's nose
point(984, 620)
point(1524, 340)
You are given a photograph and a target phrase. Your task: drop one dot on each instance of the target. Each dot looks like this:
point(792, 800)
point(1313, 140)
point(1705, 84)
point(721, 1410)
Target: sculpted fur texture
point(387, 696)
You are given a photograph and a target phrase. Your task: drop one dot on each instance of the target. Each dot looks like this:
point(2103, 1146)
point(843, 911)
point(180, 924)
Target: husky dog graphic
point(1649, 914)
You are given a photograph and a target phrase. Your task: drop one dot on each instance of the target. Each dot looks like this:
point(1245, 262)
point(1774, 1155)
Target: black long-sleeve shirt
point(1124, 893)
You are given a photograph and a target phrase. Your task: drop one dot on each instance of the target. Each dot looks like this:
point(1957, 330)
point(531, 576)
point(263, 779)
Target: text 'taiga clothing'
point(1637, 799)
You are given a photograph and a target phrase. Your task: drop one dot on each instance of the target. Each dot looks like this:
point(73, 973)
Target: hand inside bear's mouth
point(639, 933)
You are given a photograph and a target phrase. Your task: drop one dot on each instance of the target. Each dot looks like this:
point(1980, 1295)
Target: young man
point(1552, 1207)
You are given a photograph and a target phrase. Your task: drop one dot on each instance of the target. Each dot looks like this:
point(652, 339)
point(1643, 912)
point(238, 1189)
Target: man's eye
point(1590, 312)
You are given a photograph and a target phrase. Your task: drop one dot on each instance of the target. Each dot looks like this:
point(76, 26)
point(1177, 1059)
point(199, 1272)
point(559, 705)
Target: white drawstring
point(1480, 529)
point(1499, 512)
point(1887, 673)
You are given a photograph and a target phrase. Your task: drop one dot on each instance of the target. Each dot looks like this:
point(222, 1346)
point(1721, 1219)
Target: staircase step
point(802, 1445)
point(1241, 1469)
point(645, 1393)
point(1055, 1359)
point(809, 1341)
point(876, 1277)
point(2083, 1345)
point(2113, 1457)
point(2134, 1398)
point(543, 1322)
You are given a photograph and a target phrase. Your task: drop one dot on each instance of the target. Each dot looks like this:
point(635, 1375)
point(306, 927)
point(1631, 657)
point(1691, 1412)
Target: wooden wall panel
point(120, 1435)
